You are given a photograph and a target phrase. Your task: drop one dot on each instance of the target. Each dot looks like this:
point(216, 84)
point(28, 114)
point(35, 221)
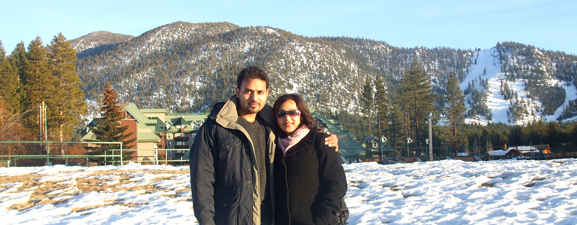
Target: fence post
point(430, 139)
point(121, 159)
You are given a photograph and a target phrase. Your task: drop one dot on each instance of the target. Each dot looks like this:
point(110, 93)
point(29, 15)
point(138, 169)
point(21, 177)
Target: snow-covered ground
point(440, 192)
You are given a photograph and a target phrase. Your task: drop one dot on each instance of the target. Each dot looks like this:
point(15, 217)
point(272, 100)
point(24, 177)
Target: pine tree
point(10, 82)
point(68, 103)
point(367, 101)
point(417, 98)
point(108, 128)
point(382, 109)
point(18, 61)
point(396, 129)
point(454, 109)
point(37, 82)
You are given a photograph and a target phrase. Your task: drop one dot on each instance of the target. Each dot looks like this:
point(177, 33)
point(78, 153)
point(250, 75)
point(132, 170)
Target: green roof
point(193, 121)
point(348, 147)
point(154, 111)
point(137, 114)
point(147, 137)
point(157, 126)
point(150, 127)
point(89, 136)
point(180, 121)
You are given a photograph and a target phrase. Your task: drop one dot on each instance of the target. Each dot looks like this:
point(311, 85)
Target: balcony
point(186, 146)
point(181, 138)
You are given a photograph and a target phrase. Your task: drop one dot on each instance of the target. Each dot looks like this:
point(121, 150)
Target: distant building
point(374, 146)
point(349, 149)
point(503, 154)
point(156, 130)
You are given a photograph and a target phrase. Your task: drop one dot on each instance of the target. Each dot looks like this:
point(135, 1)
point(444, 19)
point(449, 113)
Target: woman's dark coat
point(309, 184)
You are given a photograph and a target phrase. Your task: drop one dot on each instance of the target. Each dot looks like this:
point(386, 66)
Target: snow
point(272, 31)
point(488, 59)
point(439, 192)
point(570, 94)
point(498, 152)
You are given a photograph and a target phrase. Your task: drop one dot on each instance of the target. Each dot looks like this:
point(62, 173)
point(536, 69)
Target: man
point(231, 157)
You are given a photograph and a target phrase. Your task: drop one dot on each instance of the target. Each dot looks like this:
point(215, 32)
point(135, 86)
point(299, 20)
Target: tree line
point(44, 74)
point(47, 75)
point(41, 75)
point(400, 114)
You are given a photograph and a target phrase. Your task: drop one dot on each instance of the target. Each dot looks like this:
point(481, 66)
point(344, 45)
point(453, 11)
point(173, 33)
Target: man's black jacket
point(223, 169)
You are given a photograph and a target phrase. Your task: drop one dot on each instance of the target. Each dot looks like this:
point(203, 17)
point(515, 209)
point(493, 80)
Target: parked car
point(539, 155)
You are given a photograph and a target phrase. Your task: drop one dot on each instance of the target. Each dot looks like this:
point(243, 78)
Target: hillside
point(98, 39)
point(187, 67)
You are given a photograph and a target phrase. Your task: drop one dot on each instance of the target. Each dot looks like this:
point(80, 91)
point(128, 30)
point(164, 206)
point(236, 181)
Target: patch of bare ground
point(177, 193)
point(56, 192)
point(151, 171)
point(487, 184)
point(184, 200)
point(107, 203)
point(163, 178)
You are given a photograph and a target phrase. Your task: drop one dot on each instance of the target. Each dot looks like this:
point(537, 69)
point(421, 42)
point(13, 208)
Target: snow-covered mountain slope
point(487, 78)
point(98, 38)
point(186, 67)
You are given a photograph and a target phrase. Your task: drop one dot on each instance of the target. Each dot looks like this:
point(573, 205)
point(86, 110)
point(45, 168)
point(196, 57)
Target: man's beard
point(251, 109)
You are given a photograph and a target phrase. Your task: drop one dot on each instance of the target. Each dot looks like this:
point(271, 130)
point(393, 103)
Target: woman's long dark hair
point(306, 116)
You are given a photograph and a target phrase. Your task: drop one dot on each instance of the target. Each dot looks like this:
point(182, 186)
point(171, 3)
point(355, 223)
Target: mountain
point(187, 67)
point(98, 39)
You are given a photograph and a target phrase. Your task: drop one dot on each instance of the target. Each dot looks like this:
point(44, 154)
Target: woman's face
point(288, 117)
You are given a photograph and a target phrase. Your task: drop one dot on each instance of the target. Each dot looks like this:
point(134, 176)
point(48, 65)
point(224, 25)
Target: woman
point(309, 179)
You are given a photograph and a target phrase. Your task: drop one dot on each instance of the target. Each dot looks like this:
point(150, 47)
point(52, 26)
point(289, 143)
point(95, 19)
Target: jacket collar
point(229, 114)
point(303, 144)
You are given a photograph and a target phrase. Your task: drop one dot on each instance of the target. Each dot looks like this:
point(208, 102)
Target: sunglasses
point(292, 114)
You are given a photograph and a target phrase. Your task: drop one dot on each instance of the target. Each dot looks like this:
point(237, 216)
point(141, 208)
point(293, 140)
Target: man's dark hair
point(249, 73)
point(307, 118)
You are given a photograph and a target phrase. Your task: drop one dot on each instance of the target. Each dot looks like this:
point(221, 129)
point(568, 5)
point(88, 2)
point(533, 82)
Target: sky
point(440, 192)
point(546, 24)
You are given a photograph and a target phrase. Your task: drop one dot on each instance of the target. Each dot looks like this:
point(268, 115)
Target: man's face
point(252, 96)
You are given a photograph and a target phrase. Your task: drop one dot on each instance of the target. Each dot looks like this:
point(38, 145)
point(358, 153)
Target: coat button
point(248, 181)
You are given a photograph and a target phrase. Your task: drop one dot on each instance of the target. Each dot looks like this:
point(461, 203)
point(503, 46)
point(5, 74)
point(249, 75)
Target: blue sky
point(550, 25)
